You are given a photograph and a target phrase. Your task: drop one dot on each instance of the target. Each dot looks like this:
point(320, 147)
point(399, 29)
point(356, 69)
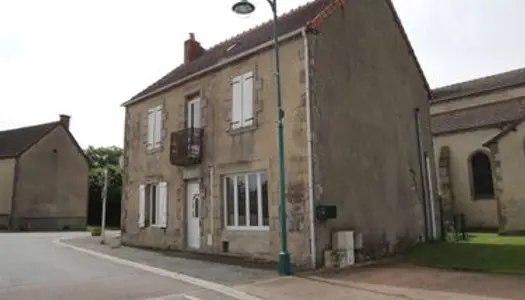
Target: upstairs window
point(482, 182)
point(242, 101)
point(193, 108)
point(154, 127)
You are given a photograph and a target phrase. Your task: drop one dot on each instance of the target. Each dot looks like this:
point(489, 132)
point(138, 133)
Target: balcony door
point(193, 119)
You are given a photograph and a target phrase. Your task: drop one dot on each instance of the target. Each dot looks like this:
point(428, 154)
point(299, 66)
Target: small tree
point(100, 159)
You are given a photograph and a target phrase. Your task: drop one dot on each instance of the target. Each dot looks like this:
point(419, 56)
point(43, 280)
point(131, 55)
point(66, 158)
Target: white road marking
point(219, 288)
point(192, 297)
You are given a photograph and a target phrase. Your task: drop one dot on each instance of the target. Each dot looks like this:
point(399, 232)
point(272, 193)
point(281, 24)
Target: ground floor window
point(153, 204)
point(246, 200)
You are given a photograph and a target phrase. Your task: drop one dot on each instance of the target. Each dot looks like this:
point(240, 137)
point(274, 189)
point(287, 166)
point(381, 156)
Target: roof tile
point(252, 38)
point(482, 116)
point(480, 85)
point(15, 141)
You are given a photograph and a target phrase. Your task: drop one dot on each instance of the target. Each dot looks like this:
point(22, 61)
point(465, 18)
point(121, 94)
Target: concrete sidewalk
point(368, 283)
point(310, 288)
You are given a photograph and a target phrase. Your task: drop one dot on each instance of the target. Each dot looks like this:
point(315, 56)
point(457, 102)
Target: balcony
point(186, 147)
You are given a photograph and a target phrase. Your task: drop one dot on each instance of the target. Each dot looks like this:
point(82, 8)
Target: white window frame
point(154, 135)
point(161, 204)
point(260, 226)
point(243, 113)
point(195, 117)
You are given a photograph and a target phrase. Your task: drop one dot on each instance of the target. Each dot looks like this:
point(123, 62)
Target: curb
point(208, 285)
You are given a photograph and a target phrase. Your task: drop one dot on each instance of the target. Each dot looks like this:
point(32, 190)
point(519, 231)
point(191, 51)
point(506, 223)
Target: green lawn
point(486, 252)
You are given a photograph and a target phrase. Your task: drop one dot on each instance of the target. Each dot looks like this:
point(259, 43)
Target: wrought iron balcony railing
point(186, 147)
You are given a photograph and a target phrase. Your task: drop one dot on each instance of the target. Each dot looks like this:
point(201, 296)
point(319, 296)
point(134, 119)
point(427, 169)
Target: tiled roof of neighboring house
point(480, 85)
point(496, 114)
point(236, 45)
point(15, 141)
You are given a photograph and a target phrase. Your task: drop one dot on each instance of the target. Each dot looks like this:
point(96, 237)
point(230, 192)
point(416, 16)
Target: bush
point(96, 231)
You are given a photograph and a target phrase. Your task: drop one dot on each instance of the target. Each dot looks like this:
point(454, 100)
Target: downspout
point(313, 250)
point(212, 207)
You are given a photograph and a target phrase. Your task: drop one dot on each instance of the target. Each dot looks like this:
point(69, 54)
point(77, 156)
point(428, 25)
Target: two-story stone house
point(200, 154)
point(479, 146)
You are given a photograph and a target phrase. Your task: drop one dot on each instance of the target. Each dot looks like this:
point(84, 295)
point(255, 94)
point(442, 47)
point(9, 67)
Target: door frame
point(187, 213)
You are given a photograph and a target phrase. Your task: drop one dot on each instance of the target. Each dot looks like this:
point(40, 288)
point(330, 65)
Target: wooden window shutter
point(247, 99)
point(142, 206)
point(163, 204)
point(236, 121)
point(158, 127)
point(151, 129)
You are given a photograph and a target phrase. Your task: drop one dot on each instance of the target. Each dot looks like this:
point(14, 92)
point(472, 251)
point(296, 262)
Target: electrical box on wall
point(325, 212)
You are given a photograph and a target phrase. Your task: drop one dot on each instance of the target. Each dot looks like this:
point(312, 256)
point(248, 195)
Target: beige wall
point(7, 173)
point(52, 184)
point(365, 88)
point(226, 152)
point(511, 157)
point(479, 213)
point(477, 100)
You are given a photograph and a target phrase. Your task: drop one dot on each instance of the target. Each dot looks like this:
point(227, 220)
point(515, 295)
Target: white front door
point(192, 212)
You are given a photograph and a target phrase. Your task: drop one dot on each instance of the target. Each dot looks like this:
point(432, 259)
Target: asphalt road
point(33, 267)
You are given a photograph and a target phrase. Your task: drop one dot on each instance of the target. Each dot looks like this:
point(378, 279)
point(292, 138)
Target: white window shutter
point(197, 114)
point(236, 121)
point(163, 204)
point(158, 127)
point(151, 128)
point(142, 205)
point(247, 99)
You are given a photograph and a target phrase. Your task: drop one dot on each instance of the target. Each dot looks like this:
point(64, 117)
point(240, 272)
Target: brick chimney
point(64, 119)
point(192, 49)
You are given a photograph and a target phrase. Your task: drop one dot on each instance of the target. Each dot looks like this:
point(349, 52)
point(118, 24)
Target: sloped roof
point(490, 115)
point(245, 41)
point(15, 141)
point(512, 126)
point(480, 85)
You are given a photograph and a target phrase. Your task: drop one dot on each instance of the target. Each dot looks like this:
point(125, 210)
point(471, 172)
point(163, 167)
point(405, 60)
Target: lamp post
point(244, 7)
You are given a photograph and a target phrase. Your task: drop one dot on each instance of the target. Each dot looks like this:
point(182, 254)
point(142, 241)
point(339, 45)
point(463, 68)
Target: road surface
point(32, 266)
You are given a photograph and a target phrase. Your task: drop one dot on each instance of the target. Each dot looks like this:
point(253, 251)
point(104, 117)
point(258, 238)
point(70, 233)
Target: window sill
point(154, 150)
point(245, 228)
point(487, 198)
point(241, 130)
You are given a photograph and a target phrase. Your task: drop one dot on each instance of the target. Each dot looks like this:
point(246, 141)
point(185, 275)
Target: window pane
point(264, 200)
point(241, 199)
point(229, 201)
point(252, 185)
point(482, 176)
point(153, 201)
point(147, 205)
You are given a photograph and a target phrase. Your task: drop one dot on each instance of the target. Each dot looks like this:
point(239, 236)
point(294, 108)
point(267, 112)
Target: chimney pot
point(192, 49)
point(64, 119)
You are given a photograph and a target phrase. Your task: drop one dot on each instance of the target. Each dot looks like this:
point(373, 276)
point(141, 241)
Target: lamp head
point(243, 7)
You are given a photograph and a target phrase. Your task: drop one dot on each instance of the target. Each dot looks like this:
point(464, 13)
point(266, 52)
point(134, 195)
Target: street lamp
point(244, 7)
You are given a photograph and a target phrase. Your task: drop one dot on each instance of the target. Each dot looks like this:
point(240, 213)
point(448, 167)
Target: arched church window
point(481, 172)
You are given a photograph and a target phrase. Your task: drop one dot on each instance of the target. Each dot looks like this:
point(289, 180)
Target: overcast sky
point(84, 58)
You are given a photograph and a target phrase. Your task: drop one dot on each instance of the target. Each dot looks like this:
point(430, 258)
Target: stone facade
point(463, 124)
point(366, 159)
point(46, 186)
point(226, 151)
point(363, 91)
point(508, 156)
